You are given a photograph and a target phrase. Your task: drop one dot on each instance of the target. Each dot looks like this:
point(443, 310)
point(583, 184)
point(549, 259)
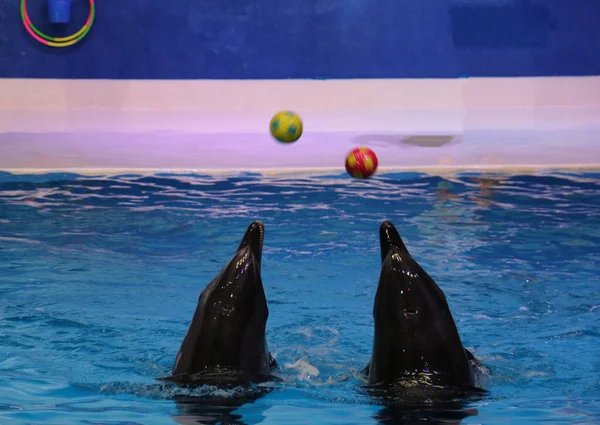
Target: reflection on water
point(395, 409)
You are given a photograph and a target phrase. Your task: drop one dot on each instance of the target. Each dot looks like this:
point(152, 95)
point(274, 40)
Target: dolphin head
point(227, 332)
point(237, 291)
point(406, 294)
point(252, 243)
point(415, 333)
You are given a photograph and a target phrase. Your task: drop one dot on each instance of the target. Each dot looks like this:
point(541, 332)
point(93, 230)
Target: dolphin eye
point(409, 312)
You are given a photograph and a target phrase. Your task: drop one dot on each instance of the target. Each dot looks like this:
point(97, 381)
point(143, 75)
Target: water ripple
point(101, 274)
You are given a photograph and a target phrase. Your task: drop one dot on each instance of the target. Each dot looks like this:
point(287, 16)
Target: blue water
point(100, 277)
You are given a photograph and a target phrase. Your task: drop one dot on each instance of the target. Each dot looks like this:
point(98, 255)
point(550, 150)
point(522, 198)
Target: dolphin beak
point(390, 238)
point(254, 240)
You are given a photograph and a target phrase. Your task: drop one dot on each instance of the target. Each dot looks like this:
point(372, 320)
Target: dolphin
point(416, 343)
point(225, 342)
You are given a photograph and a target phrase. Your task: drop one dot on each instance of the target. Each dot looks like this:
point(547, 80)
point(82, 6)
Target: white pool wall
point(215, 126)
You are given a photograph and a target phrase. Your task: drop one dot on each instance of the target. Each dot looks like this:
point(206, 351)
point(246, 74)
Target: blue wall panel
point(250, 39)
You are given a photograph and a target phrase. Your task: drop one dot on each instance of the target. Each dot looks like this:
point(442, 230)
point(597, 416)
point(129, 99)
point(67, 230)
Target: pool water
point(100, 277)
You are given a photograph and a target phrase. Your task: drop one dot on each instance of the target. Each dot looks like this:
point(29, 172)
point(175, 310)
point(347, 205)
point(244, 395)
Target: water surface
point(100, 277)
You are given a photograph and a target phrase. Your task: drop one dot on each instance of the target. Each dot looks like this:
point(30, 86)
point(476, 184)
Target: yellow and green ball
point(286, 127)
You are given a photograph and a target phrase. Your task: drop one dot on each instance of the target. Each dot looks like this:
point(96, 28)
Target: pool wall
point(179, 85)
point(272, 39)
point(223, 125)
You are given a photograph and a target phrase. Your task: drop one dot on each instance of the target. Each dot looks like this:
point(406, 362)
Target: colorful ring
point(57, 41)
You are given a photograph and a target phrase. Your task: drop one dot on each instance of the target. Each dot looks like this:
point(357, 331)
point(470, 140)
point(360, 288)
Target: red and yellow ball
point(361, 163)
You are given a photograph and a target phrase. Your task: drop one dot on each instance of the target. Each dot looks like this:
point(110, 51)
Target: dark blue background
point(255, 39)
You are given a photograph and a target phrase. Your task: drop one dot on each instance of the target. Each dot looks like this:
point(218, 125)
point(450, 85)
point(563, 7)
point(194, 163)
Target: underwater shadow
point(440, 406)
point(449, 413)
point(217, 409)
